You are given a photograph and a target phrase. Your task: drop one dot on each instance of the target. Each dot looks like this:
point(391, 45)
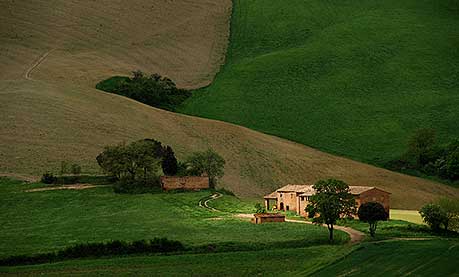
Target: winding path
point(356, 236)
point(205, 201)
point(36, 64)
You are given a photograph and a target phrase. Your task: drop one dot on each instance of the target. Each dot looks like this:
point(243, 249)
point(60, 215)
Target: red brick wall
point(187, 182)
point(375, 195)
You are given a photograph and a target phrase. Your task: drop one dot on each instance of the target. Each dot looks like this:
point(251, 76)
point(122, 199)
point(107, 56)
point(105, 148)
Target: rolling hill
point(92, 40)
point(353, 78)
point(52, 56)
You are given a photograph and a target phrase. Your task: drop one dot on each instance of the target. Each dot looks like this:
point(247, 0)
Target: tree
point(113, 160)
point(372, 212)
point(421, 147)
point(129, 161)
point(209, 163)
point(450, 207)
point(452, 164)
point(434, 216)
point(331, 200)
point(169, 162)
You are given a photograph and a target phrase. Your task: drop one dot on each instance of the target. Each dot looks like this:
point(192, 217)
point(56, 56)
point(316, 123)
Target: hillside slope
point(53, 52)
point(48, 123)
point(354, 78)
point(92, 40)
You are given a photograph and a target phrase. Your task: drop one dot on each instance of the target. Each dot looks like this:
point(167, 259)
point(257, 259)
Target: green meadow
point(399, 258)
point(353, 78)
point(39, 222)
point(44, 221)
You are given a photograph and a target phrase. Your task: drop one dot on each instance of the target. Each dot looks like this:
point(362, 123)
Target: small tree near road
point(207, 162)
point(434, 216)
point(331, 200)
point(451, 209)
point(372, 212)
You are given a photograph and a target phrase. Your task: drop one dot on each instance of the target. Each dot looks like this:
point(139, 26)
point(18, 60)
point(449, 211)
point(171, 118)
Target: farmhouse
point(184, 183)
point(296, 197)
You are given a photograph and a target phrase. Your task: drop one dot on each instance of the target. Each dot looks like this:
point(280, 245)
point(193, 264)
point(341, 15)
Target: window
point(287, 207)
point(291, 195)
point(281, 195)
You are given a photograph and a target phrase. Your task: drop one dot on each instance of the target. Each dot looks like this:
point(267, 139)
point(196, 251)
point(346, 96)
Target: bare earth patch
point(69, 187)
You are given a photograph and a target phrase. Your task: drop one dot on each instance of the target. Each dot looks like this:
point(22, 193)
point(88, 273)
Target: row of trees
point(138, 165)
point(425, 154)
point(153, 90)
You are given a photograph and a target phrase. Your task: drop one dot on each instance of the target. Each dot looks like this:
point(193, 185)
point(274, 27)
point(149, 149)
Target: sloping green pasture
point(355, 78)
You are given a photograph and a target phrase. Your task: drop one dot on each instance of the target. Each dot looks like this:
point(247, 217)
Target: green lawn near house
point(37, 222)
point(354, 78)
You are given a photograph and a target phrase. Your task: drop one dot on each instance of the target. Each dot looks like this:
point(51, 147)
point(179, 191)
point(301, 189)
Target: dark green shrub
point(259, 209)
point(48, 178)
point(131, 186)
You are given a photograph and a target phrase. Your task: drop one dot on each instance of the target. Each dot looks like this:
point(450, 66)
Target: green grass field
point(392, 258)
point(37, 222)
point(399, 258)
point(355, 78)
point(299, 261)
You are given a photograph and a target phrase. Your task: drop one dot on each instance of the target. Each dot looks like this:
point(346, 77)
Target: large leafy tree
point(209, 163)
point(139, 158)
point(372, 212)
point(332, 199)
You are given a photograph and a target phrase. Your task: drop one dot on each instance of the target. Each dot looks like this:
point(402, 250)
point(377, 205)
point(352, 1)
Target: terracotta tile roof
point(272, 195)
point(307, 190)
point(296, 188)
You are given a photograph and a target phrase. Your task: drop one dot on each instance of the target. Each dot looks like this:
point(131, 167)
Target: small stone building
point(296, 197)
point(185, 183)
point(264, 218)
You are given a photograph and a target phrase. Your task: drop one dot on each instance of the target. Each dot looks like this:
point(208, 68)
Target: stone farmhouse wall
point(287, 201)
point(299, 203)
point(186, 183)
